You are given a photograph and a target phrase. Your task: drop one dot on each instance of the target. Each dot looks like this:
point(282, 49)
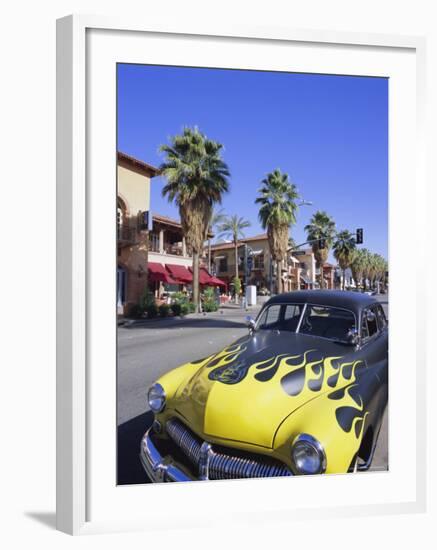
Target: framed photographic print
point(232, 273)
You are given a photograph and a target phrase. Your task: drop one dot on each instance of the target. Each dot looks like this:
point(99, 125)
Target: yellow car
point(303, 393)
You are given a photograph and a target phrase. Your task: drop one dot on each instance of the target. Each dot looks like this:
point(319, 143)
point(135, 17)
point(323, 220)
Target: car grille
point(218, 463)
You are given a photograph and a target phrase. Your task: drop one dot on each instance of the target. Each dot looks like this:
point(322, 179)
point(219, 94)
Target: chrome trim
point(157, 426)
point(205, 457)
point(315, 443)
point(304, 310)
point(157, 468)
point(212, 463)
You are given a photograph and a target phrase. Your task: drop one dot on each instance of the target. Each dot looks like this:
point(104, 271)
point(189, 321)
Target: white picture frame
point(76, 215)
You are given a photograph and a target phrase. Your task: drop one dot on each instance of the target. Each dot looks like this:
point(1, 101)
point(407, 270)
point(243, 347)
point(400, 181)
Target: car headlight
point(156, 398)
point(308, 455)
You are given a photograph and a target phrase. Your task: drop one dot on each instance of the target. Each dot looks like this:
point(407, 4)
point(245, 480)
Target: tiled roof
point(159, 218)
point(260, 237)
point(137, 164)
point(227, 246)
point(165, 219)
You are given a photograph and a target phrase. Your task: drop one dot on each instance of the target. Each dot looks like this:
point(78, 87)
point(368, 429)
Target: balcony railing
point(230, 270)
point(125, 234)
point(174, 249)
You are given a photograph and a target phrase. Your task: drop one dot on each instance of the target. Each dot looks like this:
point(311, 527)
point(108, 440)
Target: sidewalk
point(224, 310)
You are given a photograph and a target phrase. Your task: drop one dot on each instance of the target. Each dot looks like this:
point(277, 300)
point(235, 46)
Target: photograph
point(252, 277)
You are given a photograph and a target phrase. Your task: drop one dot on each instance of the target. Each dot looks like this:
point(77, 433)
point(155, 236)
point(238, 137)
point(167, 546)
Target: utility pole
point(245, 267)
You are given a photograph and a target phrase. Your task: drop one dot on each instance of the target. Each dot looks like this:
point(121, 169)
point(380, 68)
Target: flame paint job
point(266, 388)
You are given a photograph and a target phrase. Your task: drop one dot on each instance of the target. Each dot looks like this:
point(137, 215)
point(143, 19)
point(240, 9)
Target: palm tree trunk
point(279, 276)
point(196, 281)
point(209, 255)
point(236, 268)
point(344, 278)
point(322, 279)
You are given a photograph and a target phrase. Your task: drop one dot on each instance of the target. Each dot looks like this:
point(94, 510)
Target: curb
point(129, 323)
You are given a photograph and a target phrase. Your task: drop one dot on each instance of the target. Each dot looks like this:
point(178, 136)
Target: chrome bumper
point(157, 467)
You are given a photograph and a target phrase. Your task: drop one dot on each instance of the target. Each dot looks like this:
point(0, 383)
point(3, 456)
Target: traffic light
point(249, 263)
point(359, 238)
point(322, 244)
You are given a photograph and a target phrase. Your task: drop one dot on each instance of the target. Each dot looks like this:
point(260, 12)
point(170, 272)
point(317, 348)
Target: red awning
point(180, 273)
point(208, 280)
point(215, 281)
point(204, 277)
point(157, 272)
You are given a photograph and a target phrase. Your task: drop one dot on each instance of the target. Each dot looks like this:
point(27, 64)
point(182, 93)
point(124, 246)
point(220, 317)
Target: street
point(148, 350)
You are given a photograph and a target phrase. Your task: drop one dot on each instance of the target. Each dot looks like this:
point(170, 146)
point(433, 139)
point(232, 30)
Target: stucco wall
point(134, 189)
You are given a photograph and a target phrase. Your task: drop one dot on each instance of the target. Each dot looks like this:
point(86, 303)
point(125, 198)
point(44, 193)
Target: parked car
point(303, 393)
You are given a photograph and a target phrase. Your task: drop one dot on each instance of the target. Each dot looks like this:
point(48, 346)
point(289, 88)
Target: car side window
point(291, 310)
point(382, 320)
point(369, 325)
point(270, 317)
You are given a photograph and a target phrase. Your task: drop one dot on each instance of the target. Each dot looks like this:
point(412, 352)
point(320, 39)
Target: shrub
point(209, 306)
point(176, 309)
point(209, 301)
point(152, 311)
point(147, 299)
point(136, 311)
point(237, 285)
point(179, 297)
point(209, 294)
point(164, 310)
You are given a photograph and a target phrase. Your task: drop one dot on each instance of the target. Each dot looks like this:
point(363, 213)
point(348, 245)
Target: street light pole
point(305, 203)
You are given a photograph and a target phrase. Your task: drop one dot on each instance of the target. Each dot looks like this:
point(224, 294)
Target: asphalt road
point(147, 351)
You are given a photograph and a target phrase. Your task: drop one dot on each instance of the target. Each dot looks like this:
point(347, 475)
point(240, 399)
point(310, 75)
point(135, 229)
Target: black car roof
point(354, 301)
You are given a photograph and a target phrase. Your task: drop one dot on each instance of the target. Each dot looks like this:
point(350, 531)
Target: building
point(151, 249)
point(223, 261)
point(170, 263)
point(305, 270)
point(298, 273)
point(262, 274)
point(329, 275)
point(133, 202)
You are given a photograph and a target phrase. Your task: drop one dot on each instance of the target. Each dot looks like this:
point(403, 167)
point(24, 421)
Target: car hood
point(244, 392)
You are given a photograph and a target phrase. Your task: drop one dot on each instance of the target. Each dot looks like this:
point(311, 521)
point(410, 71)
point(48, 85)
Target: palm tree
point(321, 226)
point(384, 274)
point(367, 266)
point(344, 247)
point(217, 217)
point(277, 213)
point(379, 269)
point(197, 178)
point(232, 227)
point(382, 268)
point(357, 266)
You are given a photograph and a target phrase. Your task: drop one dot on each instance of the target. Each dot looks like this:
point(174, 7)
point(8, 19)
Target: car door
point(374, 349)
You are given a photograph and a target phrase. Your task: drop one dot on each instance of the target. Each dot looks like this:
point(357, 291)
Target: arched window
point(121, 287)
point(121, 218)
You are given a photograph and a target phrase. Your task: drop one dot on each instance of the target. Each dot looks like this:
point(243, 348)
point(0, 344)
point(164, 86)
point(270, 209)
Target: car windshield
point(322, 321)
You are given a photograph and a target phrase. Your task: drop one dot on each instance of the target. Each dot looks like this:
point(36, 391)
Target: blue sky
point(329, 133)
